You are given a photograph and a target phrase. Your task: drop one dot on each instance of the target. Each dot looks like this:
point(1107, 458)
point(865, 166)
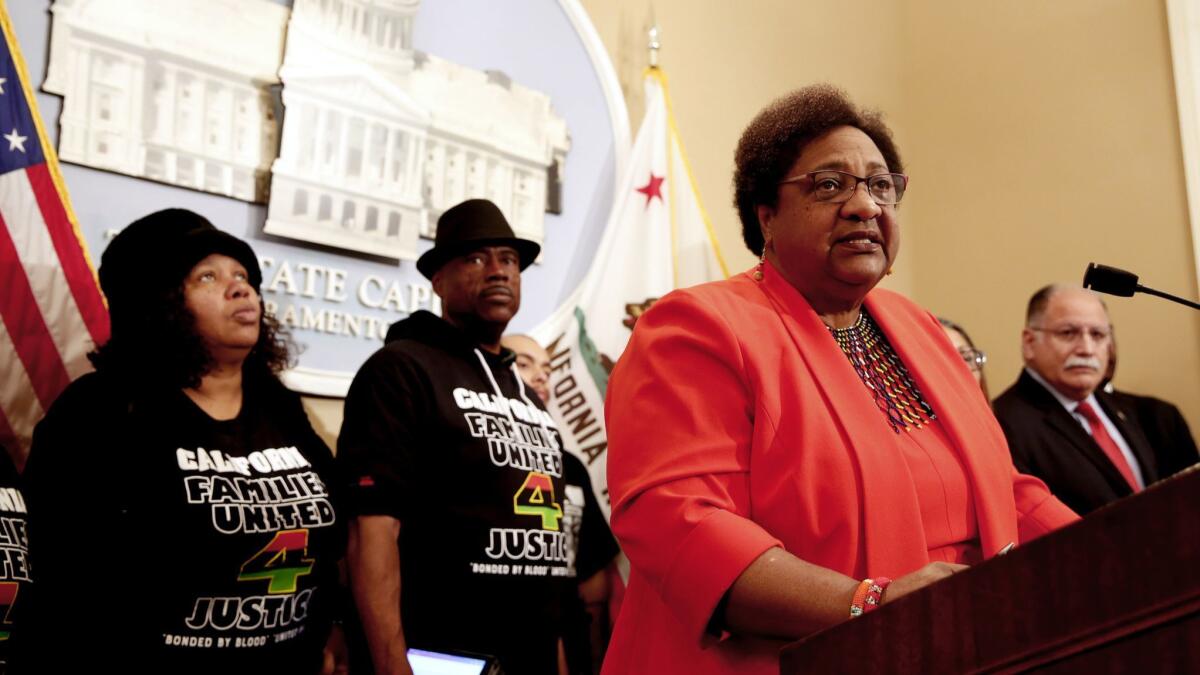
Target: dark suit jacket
point(1046, 441)
point(1165, 428)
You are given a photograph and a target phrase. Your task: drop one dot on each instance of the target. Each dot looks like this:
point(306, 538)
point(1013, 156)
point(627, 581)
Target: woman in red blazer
point(785, 443)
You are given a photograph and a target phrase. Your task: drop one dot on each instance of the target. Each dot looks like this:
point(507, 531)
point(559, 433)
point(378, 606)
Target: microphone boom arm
point(1168, 296)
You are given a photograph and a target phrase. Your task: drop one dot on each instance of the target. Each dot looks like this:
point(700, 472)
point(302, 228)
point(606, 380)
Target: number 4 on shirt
point(8, 598)
point(536, 498)
point(281, 562)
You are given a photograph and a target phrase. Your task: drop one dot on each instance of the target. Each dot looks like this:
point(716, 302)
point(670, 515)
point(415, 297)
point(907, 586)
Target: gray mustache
point(1082, 361)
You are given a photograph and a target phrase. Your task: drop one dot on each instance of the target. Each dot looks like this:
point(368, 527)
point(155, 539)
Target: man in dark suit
point(1163, 424)
point(1165, 428)
point(1088, 446)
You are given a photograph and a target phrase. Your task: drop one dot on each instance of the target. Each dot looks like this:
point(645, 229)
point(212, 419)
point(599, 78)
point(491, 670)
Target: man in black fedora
point(455, 469)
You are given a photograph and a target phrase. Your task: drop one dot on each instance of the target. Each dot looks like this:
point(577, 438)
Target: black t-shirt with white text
point(14, 557)
point(475, 477)
point(213, 543)
point(590, 548)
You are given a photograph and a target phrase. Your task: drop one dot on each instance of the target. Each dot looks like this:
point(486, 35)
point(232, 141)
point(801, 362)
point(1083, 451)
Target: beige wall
point(1040, 135)
point(326, 417)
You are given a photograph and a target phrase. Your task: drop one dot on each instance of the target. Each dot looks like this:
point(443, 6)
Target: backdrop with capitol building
point(1007, 171)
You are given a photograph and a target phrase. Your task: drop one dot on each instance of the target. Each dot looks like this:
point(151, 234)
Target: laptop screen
point(436, 663)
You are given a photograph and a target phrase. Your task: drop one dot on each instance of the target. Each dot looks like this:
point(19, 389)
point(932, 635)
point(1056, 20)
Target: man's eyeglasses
point(839, 187)
point(1071, 334)
point(975, 359)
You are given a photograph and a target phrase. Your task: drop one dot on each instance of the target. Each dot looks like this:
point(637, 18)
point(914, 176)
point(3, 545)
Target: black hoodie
point(442, 435)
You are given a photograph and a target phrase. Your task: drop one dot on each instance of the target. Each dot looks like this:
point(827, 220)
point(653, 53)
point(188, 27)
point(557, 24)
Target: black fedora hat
point(469, 225)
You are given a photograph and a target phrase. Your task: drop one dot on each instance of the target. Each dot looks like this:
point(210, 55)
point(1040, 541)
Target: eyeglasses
point(1071, 334)
point(975, 359)
point(839, 187)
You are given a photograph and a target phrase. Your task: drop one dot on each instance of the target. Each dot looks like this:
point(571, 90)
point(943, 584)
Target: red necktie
point(1107, 444)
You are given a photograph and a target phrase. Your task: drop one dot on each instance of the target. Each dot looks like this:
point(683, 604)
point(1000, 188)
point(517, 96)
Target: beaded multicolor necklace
point(884, 373)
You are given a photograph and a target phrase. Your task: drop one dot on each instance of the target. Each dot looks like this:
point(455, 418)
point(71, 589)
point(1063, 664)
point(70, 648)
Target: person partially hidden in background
point(533, 363)
point(590, 543)
point(15, 579)
point(1089, 446)
point(971, 355)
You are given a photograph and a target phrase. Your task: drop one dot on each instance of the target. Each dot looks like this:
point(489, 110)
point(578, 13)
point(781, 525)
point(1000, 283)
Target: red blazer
point(736, 424)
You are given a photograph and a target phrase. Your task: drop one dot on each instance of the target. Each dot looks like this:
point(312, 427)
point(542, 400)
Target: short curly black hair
point(775, 137)
point(158, 347)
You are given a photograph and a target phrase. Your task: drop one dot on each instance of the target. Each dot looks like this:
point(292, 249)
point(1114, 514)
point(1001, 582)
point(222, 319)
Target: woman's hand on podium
point(913, 581)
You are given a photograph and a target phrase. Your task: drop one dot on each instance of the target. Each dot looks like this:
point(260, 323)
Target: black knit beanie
point(153, 255)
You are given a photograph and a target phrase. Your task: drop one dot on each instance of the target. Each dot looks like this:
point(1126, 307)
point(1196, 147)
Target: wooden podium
point(1118, 592)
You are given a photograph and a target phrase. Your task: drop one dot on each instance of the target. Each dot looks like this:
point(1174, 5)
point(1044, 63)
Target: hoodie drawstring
point(520, 388)
point(495, 387)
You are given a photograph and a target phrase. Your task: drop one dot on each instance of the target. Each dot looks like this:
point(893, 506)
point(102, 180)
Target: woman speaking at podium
point(792, 447)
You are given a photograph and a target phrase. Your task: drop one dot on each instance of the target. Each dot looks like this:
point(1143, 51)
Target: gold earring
point(762, 259)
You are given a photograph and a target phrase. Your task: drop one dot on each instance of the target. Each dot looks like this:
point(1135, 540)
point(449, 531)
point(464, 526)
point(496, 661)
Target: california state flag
point(658, 238)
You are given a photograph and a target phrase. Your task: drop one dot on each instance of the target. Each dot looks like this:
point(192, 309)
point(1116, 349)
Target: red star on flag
point(652, 188)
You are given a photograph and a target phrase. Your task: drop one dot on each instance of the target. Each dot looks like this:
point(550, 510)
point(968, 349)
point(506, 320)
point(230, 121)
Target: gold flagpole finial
point(654, 45)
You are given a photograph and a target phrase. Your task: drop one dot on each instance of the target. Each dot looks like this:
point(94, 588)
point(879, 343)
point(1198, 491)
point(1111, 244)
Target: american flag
point(50, 303)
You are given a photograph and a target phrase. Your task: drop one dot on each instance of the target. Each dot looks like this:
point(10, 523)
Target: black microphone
point(1113, 281)
point(1110, 280)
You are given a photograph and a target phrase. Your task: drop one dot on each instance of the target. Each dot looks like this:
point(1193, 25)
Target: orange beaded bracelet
point(868, 596)
point(860, 597)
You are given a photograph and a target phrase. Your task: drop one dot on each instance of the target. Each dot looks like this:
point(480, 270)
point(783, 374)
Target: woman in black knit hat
point(180, 510)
